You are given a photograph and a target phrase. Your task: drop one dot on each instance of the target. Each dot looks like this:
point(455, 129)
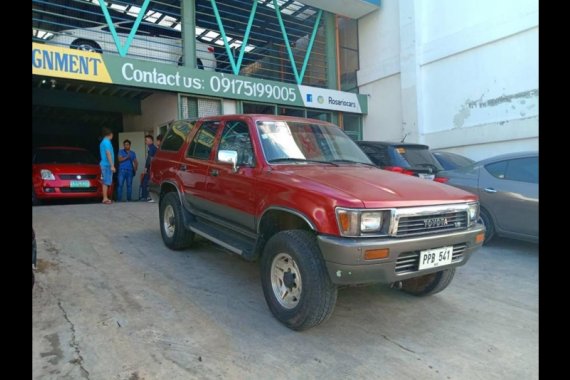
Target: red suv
point(65, 172)
point(302, 198)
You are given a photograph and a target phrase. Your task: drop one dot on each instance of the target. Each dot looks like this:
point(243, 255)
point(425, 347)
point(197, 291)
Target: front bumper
point(346, 265)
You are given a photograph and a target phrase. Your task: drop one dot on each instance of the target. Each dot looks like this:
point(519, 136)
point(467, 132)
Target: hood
point(372, 187)
point(69, 168)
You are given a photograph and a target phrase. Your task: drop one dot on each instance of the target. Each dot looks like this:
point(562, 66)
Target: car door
point(194, 165)
point(509, 190)
point(231, 195)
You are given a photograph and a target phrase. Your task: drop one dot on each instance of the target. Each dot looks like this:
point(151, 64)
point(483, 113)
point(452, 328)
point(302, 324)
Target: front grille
point(74, 176)
point(419, 224)
point(409, 261)
point(78, 189)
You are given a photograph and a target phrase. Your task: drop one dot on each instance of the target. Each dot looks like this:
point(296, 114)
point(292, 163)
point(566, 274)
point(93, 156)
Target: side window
point(523, 170)
point(235, 136)
point(175, 137)
point(497, 169)
point(376, 154)
point(201, 146)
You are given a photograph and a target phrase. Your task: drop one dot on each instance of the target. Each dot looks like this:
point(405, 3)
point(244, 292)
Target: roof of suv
point(265, 117)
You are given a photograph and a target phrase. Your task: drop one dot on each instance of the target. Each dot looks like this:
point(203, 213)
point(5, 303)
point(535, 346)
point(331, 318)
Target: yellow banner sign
point(63, 62)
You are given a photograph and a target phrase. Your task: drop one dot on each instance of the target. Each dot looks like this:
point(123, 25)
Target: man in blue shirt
point(149, 140)
point(107, 162)
point(127, 168)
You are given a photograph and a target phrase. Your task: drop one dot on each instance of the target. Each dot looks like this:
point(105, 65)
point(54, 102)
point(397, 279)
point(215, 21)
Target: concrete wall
point(157, 109)
point(456, 75)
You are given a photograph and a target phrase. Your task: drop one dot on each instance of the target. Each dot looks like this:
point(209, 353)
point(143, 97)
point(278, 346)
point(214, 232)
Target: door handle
point(214, 172)
point(183, 167)
point(490, 190)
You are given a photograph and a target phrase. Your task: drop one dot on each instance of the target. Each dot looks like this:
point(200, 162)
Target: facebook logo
point(309, 97)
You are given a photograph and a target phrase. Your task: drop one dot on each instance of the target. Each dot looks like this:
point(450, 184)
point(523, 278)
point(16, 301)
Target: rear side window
point(176, 136)
point(202, 144)
point(523, 170)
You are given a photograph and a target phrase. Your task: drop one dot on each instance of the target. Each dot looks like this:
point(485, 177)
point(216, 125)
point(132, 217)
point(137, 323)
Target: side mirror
point(229, 157)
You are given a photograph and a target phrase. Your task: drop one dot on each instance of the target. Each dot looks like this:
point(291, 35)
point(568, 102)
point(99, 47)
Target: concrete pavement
point(112, 302)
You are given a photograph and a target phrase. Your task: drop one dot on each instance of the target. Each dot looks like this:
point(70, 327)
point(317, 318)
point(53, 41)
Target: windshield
point(64, 156)
point(300, 141)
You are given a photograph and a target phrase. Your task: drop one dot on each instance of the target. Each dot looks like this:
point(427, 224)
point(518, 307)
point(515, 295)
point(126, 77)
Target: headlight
point(358, 222)
point(370, 221)
point(473, 213)
point(46, 174)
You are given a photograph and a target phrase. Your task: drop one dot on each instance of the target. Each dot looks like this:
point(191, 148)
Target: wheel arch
point(276, 219)
point(77, 41)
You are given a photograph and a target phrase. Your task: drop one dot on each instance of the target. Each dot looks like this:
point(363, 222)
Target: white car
point(144, 45)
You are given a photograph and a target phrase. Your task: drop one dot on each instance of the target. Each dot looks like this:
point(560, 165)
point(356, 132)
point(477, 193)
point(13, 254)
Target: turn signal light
point(375, 254)
point(480, 238)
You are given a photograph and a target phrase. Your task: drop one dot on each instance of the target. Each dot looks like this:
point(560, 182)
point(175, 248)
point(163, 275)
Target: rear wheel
point(428, 284)
point(486, 220)
point(174, 233)
point(295, 281)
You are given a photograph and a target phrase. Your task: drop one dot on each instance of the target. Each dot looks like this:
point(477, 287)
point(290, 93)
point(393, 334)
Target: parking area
point(112, 302)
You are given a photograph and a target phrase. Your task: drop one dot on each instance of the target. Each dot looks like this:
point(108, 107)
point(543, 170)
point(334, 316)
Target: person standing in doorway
point(151, 150)
point(107, 163)
point(128, 165)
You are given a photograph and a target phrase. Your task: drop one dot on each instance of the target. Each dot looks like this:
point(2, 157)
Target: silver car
point(145, 45)
point(507, 186)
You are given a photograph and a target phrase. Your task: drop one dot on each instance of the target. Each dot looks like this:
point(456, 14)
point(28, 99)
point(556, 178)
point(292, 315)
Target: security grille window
point(266, 54)
point(348, 53)
point(191, 107)
point(81, 24)
point(201, 146)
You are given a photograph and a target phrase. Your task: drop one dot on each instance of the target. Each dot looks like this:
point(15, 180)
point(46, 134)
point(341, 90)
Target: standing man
point(128, 165)
point(107, 163)
point(151, 150)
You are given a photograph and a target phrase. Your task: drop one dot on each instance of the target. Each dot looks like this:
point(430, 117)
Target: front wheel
point(295, 281)
point(428, 284)
point(174, 233)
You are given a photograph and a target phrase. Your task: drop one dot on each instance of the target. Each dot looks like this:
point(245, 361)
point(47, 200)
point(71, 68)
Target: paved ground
point(112, 302)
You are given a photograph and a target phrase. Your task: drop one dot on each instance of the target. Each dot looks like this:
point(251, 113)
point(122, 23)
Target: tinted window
point(377, 154)
point(64, 156)
point(176, 136)
point(523, 170)
point(201, 146)
point(452, 161)
point(235, 136)
point(497, 169)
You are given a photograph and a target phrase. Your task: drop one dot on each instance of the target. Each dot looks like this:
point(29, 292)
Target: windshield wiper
point(292, 159)
point(354, 162)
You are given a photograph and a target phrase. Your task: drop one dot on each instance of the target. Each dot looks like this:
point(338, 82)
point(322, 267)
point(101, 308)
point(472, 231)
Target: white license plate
point(79, 184)
point(432, 258)
point(427, 176)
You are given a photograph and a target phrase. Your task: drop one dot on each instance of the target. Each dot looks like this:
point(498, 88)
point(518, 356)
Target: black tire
point(317, 297)
point(486, 219)
point(86, 45)
point(428, 284)
point(178, 237)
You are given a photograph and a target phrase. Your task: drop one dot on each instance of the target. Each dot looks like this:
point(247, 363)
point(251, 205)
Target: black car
point(405, 158)
point(451, 161)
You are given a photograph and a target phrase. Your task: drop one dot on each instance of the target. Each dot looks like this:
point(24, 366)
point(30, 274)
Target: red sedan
point(60, 172)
